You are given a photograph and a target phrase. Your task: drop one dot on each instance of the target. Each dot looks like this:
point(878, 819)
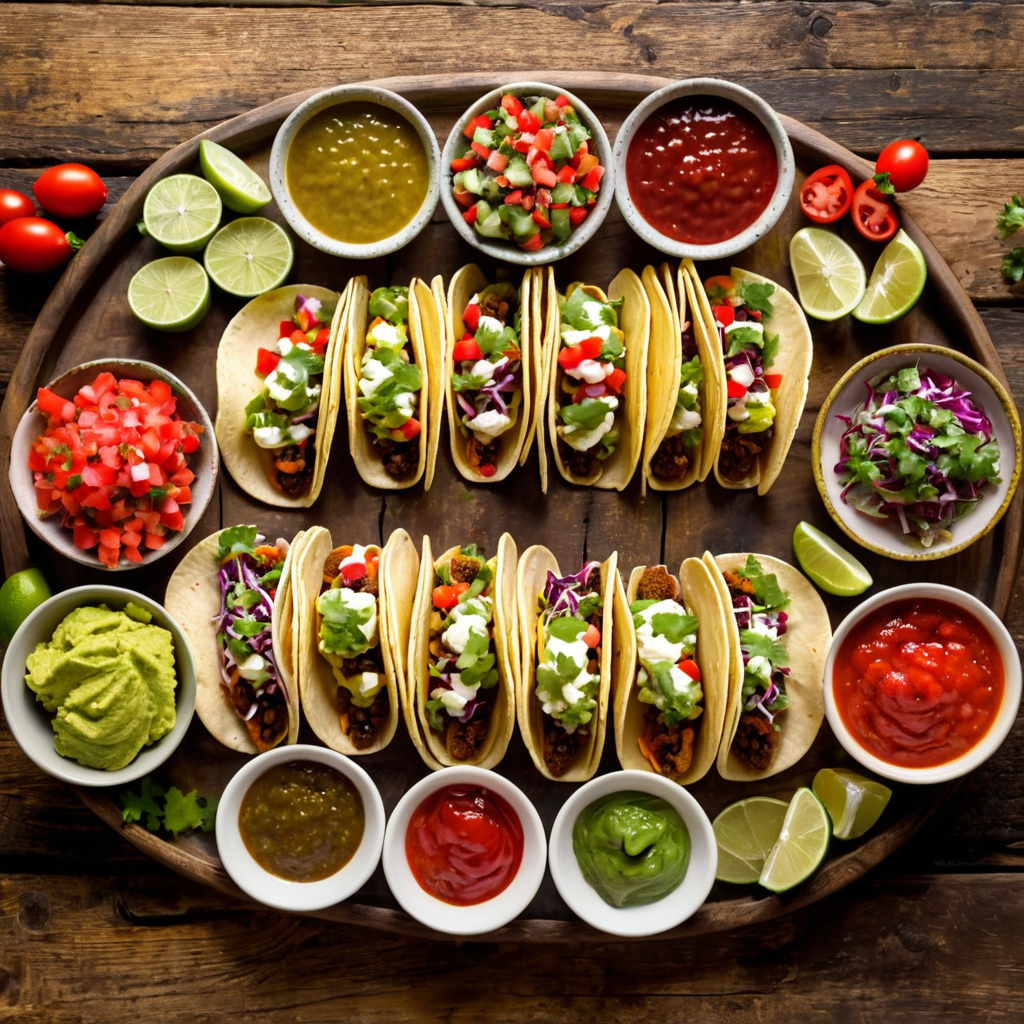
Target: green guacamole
point(109, 676)
point(632, 848)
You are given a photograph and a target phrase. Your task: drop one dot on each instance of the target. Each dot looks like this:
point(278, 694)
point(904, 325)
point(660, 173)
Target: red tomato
point(70, 190)
point(906, 163)
point(826, 195)
point(873, 214)
point(14, 205)
point(32, 245)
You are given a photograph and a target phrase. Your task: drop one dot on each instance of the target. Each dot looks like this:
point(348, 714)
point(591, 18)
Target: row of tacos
point(720, 664)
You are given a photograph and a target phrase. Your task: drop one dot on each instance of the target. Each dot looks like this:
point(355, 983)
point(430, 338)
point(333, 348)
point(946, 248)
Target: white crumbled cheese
point(484, 369)
point(570, 694)
point(386, 335)
point(683, 419)
point(140, 472)
point(254, 668)
point(489, 424)
point(284, 346)
point(405, 403)
point(455, 699)
point(590, 370)
point(755, 325)
point(742, 373)
point(374, 373)
point(456, 636)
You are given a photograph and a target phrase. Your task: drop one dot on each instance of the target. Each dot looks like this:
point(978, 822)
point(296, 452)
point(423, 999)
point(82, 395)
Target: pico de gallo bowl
point(114, 463)
point(530, 173)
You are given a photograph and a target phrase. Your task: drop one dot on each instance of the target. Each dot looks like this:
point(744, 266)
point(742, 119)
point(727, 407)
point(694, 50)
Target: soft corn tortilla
point(255, 326)
point(531, 577)
point(615, 472)
point(432, 747)
point(194, 598)
point(807, 638)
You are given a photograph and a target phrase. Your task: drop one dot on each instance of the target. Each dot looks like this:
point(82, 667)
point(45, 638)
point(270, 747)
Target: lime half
point(22, 593)
point(854, 803)
point(896, 282)
point(746, 831)
point(240, 188)
point(801, 846)
point(832, 567)
point(249, 256)
point(172, 294)
point(182, 212)
point(829, 274)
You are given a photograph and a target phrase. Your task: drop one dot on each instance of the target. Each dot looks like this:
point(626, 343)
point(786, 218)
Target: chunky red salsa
point(464, 844)
point(918, 682)
point(701, 169)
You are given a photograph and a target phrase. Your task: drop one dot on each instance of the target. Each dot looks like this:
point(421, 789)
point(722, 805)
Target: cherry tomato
point(32, 245)
point(826, 195)
point(70, 190)
point(906, 163)
point(873, 214)
point(13, 205)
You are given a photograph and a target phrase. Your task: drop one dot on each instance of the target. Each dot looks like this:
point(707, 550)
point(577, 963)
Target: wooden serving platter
point(87, 317)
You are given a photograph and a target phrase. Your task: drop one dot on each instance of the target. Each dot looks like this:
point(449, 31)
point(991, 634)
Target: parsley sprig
point(168, 810)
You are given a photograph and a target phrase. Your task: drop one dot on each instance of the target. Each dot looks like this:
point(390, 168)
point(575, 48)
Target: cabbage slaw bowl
point(885, 536)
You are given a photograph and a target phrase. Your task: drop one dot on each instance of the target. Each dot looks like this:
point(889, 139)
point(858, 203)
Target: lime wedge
point(829, 274)
point(854, 803)
point(182, 212)
point(896, 282)
point(832, 567)
point(249, 256)
point(240, 188)
point(172, 294)
point(21, 594)
point(746, 831)
point(801, 846)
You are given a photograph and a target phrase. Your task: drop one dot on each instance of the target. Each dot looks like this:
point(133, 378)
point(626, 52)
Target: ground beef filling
point(400, 459)
point(756, 741)
point(672, 459)
point(492, 305)
point(656, 585)
point(269, 725)
point(561, 747)
point(482, 457)
point(578, 463)
point(669, 747)
point(294, 468)
point(362, 725)
point(739, 453)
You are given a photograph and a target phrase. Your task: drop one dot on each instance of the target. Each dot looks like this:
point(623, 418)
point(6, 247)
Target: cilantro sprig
point(168, 810)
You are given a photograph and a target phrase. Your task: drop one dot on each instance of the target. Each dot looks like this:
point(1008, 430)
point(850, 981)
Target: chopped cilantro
point(767, 591)
point(757, 296)
point(170, 810)
point(1011, 218)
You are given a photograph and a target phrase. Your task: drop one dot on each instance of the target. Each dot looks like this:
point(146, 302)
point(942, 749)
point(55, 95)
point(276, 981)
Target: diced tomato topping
point(463, 163)
point(487, 469)
point(528, 122)
point(577, 215)
point(466, 350)
point(615, 380)
point(544, 175)
point(471, 316)
point(543, 139)
point(481, 150)
point(497, 161)
point(465, 199)
point(735, 389)
point(690, 669)
point(132, 554)
point(540, 220)
point(512, 105)
point(533, 244)
point(522, 145)
point(514, 198)
point(109, 556)
point(285, 328)
point(567, 175)
point(321, 341)
point(353, 571)
point(469, 216)
point(266, 361)
point(85, 538)
point(592, 637)
point(725, 315)
point(54, 406)
point(480, 121)
point(591, 182)
point(528, 201)
point(572, 355)
point(773, 380)
point(410, 428)
point(562, 101)
point(154, 541)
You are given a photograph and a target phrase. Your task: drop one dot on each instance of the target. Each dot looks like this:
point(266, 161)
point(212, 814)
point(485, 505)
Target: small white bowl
point(1004, 719)
point(742, 98)
point(882, 536)
point(31, 724)
point(280, 893)
point(204, 462)
point(279, 186)
point(666, 913)
point(509, 252)
point(481, 917)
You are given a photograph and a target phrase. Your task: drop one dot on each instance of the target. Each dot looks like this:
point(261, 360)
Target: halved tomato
point(826, 194)
point(874, 214)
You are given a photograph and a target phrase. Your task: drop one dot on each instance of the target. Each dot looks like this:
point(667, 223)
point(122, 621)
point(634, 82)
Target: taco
point(596, 354)
point(278, 392)
point(459, 696)
point(684, 405)
point(566, 645)
point(233, 595)
point(779, 634)
point(672, 676)
point(766, 346)
point(491, 389)
point(393, 352)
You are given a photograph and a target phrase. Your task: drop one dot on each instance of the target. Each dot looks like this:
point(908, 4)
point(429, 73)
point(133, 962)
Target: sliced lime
point(832, 567)
point(746, 831)
point(829, 274)
point(896, 282)
point(172, 294)
point(21, 594)
point(249, 256)
point(854, 803)
point(801, 846)
point(182, 212)
point(240, 188)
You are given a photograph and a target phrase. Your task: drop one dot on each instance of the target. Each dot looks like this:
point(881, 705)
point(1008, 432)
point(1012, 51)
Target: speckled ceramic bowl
point(742, 98)
point(298, 223)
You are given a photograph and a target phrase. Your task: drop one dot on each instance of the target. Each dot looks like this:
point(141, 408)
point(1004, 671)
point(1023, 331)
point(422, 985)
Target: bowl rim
point(752, 103)
point(651, 918)
point(915, 348)
point(17, 697)
point(1001, 724)
point(349, 93)
point(508, 251)
point(479, 918)
point(280, 893)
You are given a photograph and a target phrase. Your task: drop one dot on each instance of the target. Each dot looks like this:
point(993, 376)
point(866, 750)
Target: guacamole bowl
point(32, 725)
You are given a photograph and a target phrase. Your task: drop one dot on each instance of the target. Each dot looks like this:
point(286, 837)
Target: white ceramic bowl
point(482, 917)
point(279, 187)
point(882, 536)
point(281, 893)
point(1004, 719)
point(509, 251)
point(742, 98)
point(204, 462)
point(30, 723)
point(666, 913)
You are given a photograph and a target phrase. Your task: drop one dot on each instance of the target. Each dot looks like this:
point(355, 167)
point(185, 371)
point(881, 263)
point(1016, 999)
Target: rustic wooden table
point(93, 931)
